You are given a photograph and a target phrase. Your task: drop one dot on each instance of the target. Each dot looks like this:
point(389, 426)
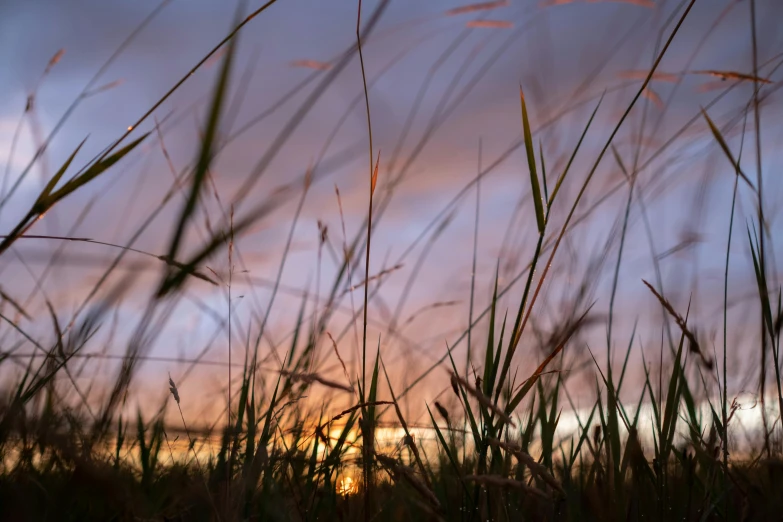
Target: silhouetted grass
point(275, 453)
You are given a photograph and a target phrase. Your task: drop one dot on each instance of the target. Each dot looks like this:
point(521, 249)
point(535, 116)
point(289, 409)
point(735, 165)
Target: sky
point(465, 83)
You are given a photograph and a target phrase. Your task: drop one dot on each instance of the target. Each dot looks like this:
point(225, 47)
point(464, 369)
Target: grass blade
point(531, 163)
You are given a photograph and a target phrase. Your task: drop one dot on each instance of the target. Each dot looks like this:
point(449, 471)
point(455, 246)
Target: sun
point(346, 486)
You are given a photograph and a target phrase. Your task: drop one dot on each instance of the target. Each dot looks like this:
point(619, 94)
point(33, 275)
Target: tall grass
point(295, 432)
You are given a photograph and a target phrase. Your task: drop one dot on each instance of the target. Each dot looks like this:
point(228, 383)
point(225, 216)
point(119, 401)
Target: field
point(391, 260)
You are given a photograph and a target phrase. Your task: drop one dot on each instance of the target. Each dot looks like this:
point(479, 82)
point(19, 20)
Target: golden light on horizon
point(346, 486)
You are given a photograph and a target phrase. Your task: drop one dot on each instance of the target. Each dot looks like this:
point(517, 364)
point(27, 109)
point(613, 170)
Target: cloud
point(552, 60)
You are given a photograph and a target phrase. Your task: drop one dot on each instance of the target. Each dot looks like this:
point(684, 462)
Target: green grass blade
point(92, 172)
point(672, 401)
point(447, 451)
point(531, 163)
point(498, 353)
point(47, 190)
point(489, 357)
point(206, 151)
point(543, 171)
point(372, 397)
point(766, 309)
point(722, 142)
point(468, 408)
point(517, 398)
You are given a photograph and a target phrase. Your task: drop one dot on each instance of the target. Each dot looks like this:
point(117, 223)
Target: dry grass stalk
point(642, 75)
point(641, 3)
point(443, 411)
point(309, 378)
point(653, 97)
point(433, 306)
point(16, 306)
point(192, 444)
point(173, 389)
point(374, 179)
point(319, 429)
point(733, 75)
point(54, 61)
point(483, 399)
point(551, 3)
point(181, 266)
point(711, 86)
point(354, 408)
point(694, 343)
point(320, 433)
point(490, 24)
point(279, 411)
point(323, 232)
point(337, 352)
point(411, 443)
point(372, 278)
point(312, 64)
point(103, 88)
point(481, 6)
point(409, 475)
point(526, 459)
point(503, 482)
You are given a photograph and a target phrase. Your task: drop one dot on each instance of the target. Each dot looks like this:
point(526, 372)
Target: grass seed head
point(173, 389)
